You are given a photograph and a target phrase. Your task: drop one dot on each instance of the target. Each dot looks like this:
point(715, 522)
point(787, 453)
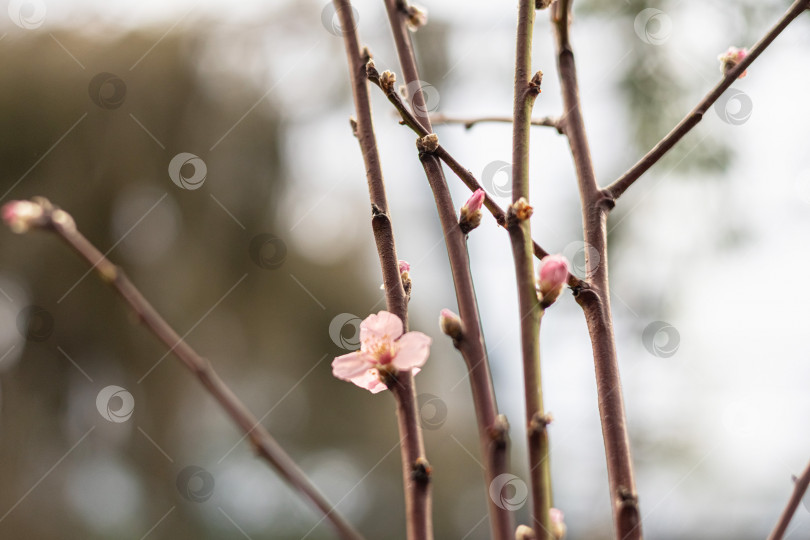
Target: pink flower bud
point(476, 200)
point(471, 211)
point(553, 276)
point(21, 215)
point(732, 57)
point(450, 324)
point(404, 267)
point(558, 528)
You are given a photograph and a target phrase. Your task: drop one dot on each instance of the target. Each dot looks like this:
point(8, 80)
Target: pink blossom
point(404, 267)
point(383, 348)
point(731, 58)
point(476, 200)
point(553, 276)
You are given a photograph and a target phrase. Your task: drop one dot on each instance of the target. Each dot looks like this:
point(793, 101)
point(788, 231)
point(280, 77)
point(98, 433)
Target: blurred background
point(205, 146)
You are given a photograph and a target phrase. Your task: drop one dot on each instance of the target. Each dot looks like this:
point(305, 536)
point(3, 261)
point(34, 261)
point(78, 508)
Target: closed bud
point(387, 80)
point(417, 17)
point(558, 528)
point(450, 324)
point(552, 277)
point(730, 59)
point(470, 214)
point(20, 216)
point(524, 532)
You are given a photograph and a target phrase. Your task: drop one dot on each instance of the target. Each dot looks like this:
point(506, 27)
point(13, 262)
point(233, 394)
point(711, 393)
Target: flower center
point(384, 351)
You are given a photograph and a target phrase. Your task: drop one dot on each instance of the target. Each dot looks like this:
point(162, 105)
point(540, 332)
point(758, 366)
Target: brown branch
point(492, 428)
point(799, 490)
point(415, 468)
point(61, 223)
point(546, 121)
point(617, 188)
point(596, 300)
point(464, 174)
point(519, 227)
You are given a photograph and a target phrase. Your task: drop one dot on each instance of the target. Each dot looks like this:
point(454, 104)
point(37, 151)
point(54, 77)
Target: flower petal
point(414, 349)
point(383, 325)
point(370, 380)
point(351, 365)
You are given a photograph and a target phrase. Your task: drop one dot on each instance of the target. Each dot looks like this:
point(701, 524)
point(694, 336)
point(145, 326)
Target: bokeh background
point(264, 260)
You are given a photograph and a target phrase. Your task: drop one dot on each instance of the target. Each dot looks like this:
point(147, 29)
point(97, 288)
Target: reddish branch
point(799, 490)
point(492, 428)
point(596, 300)
point(617, 188)
point(61, 223)
point(527, 88)
point(415, 468)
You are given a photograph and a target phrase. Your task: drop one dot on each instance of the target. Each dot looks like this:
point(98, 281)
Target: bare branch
point(596, 300)
point(799, 490)
point(61, 223)
point(527, 88)
point(617, 188)
point(546, 121)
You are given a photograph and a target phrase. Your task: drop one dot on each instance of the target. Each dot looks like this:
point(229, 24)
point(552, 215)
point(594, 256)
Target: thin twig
point(415, 467)
point(617, 188)
point(61, 223)
point(799, 490)
point(463, 174)
point(527, 88)
point(546, 121)
point(596, 300)
point(492, 428)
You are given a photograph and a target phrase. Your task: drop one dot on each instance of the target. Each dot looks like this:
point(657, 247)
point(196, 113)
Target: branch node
point(421, 471)
point(427, 144)
point(539, 423)
point(353, 124)
point(518, 211)
point(535, 83)
point(499, 432)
